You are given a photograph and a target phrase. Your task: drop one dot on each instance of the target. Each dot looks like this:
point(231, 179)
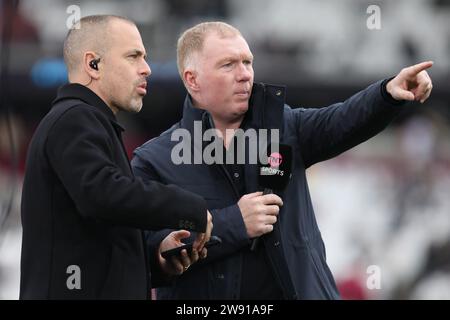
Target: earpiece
point(94, 64)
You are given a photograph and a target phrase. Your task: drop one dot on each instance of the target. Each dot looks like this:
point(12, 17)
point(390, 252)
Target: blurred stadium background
point(385, 203)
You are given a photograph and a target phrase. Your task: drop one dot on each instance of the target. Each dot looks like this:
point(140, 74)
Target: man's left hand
point(412, 83)
point(180, 264)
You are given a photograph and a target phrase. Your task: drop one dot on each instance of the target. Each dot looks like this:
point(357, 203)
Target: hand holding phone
point(214, 240)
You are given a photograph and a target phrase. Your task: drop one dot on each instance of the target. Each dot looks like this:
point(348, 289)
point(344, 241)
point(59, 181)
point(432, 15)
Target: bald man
point(83, 211)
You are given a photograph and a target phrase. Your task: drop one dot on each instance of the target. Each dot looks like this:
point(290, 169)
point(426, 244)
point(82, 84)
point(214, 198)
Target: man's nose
point(146, 71)
point(245, 72)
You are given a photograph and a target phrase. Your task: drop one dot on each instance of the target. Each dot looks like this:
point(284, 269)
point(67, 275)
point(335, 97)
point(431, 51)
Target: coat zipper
point(221, 166)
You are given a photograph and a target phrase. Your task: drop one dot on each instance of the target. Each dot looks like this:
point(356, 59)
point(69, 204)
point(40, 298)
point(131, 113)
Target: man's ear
point(88, 57)
point(190, 80)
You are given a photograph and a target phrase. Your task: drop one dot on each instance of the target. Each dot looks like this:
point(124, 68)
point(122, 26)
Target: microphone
point(275, 175)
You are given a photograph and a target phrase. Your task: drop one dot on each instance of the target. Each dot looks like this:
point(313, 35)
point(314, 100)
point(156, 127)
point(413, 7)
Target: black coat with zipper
point(295, 248)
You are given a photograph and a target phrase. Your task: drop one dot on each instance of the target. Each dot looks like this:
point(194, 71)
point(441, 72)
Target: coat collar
point(265, 109)
point(78, 91)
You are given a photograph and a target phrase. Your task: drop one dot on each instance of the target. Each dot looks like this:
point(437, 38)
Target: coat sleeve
point(143, 170)
point(326, 132)
point(228, 225)
point(79, 147)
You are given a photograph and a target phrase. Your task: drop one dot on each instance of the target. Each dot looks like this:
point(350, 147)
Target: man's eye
point(227, 64)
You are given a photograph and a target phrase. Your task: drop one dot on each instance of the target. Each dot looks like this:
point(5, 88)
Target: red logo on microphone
point(275, 160)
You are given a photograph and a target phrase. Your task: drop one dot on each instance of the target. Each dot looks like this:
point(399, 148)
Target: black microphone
point(275, 175)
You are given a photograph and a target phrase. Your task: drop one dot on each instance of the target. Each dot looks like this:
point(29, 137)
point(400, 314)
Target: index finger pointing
point(415, 69)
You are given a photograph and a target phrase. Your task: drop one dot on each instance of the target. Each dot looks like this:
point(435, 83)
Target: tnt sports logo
point(275, 160)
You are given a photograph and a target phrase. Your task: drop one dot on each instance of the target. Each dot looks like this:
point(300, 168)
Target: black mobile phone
point(214, 240)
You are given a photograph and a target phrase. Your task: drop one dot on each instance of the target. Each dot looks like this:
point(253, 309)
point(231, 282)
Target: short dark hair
point(89, 33)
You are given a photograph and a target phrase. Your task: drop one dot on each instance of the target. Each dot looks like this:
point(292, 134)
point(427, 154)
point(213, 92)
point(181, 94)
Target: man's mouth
point(242, 92)
point(142, 88)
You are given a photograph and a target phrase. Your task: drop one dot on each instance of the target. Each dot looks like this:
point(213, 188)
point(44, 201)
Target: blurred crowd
point(386, 204)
